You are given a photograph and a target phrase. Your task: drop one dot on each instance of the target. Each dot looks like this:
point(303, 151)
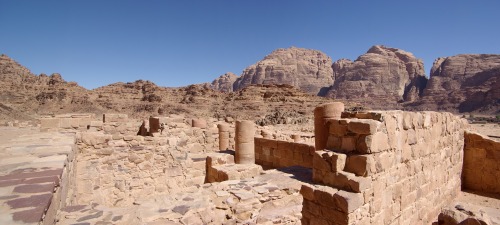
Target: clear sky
point(176, 43)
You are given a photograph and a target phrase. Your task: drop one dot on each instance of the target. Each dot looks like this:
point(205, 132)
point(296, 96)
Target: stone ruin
point(387, 167)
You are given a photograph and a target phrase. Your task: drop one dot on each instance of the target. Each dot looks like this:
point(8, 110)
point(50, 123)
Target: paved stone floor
point(31, 165)
point(271, 198)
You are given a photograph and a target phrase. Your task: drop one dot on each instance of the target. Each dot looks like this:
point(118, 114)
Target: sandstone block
point(363, 126)
point(334, 216)
point(307, 192)
point(348, 144)
point(383, 161)
point(325, 196)
point(377, 142)
point(335, 128)
point(361, 165)
point(319, 163)
point(333, 142)
point(407, 121)
point(348, 201)
point(337, 160)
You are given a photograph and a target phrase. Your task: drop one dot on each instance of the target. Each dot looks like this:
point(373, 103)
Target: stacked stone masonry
point(481, 171)
point(386, 168)
point(375, 168)
point(271, 153)
point(116, 167)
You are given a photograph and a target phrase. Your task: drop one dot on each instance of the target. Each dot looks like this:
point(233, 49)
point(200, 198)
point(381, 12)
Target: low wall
point(69, 121)
point(387, 168)
point(271, 153)
point(481, 171)
point(115, 167)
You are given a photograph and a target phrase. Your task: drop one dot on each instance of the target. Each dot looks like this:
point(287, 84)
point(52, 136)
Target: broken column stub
point(154, 125)
point(244, 140)
point(223, 136)
point(323, 113)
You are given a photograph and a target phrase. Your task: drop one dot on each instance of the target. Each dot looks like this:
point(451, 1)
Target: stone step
point(234, 172)
point(341, 171)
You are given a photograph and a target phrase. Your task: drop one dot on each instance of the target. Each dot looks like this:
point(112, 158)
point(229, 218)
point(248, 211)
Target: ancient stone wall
point(270, 153)
point(386, 168)
point(481, 171)
point(116, 167)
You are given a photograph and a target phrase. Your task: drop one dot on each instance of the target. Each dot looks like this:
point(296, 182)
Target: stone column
point(223, 136)
point(244, 138)
point(321, 114)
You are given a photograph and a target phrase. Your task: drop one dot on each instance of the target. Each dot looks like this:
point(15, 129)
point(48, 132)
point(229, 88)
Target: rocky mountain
point(22, 91)
point(27, 96)
point(308, 70)
point(465, 83)
point(383, 76)
point(224, 82)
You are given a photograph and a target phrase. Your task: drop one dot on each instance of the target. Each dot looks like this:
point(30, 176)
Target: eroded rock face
point(308, 70)
point(224, 82)
point(382, 75)
point(26, 92)
point(464, 82)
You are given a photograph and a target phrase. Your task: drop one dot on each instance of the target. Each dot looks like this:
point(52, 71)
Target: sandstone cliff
point(224, 82)
point(465, 83)
point(380, 78)
point(308, 70)
point(22, 91)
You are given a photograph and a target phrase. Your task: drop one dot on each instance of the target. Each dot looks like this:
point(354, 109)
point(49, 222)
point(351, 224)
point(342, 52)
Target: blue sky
point(176, 43)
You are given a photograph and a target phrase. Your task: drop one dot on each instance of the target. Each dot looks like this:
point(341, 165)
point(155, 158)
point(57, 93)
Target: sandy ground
point(492, 130)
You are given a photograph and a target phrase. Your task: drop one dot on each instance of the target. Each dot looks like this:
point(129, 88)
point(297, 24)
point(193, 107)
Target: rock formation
point(464, 82)
point(308, 70)
point(381, 76)
point(32, 94)
point(224, 82)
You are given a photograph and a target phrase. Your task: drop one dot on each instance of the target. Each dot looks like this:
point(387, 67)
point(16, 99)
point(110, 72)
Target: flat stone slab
point(31, 167)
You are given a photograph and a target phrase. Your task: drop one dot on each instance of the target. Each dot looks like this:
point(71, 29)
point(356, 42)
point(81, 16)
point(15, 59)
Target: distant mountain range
point(293, 80)
point(382, 78)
